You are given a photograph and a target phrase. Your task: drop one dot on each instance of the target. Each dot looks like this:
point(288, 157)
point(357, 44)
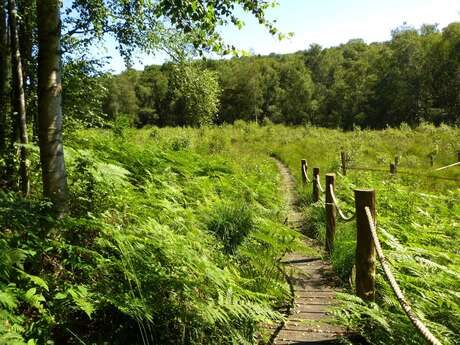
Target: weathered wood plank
point(315, 287)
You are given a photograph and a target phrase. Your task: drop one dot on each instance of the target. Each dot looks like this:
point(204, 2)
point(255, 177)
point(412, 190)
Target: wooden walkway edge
point(314, 286)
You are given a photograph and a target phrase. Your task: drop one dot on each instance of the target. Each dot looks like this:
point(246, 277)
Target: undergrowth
point(165, 244)
point(175, 236)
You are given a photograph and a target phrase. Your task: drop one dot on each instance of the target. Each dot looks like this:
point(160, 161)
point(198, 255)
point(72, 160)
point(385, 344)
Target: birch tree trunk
point(25, 8)
point(19, 101)
point(50, 104)
point(27, 30)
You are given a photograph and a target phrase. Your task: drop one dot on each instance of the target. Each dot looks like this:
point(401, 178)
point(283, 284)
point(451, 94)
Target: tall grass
point(418, 222)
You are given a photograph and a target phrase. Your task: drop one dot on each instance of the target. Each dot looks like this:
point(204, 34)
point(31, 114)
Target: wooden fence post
point(365, 249)
point(432, 160)
point(330, 213)
point(343, 157)
point(393, 168)
point(315, 184)
point(304, 178)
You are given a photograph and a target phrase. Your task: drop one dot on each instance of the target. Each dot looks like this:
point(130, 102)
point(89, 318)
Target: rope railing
point(393, 165)
point(318, 183)
point(448, 166)
point(367, 243)
point(419, 325)
point(305, 175)
point(336, 204)
point(408, 173)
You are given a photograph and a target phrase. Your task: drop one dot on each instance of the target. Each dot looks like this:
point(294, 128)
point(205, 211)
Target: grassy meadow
point(175, 235)
point(418, 220)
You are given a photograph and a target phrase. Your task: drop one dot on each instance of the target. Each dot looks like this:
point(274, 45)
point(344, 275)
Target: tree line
point(413, 77)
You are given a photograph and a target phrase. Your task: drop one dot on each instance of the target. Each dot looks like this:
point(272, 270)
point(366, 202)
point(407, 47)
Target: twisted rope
point(448, 166)
point(336, 203)
point(305, 174)
point(408, 173)
point(318, 183)
point(423, 330)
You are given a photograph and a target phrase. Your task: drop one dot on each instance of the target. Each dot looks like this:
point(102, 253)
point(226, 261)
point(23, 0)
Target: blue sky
point(327, 22)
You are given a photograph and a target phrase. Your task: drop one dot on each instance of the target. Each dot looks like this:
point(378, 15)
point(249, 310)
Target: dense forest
point(414, 77)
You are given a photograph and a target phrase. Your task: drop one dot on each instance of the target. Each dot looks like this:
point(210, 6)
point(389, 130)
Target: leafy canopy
point(150, 25)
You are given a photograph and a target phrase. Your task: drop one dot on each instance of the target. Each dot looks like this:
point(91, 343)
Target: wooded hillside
point(412, 78)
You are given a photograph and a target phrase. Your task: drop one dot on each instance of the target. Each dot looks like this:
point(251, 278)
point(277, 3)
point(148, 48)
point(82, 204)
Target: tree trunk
point(19, 101)
point(49, 104)
point(26, 39)
point(3, 74)
point(26, 9)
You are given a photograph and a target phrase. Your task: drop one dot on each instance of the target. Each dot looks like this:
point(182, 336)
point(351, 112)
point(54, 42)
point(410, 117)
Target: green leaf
point(81, 297)
point(60, 295)
point(36, 280)
point(34, 299)
point(8, 299)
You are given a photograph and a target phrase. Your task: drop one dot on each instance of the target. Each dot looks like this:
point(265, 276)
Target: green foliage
point(82, 78)
point(120, 124)
point(121, 97)
point(180, 143)
point(231, 224)
point(410, 79)
point(177, 94)
point(175, 235)
point(194, 95)
point(152, 93)
point(13, 299)
point(139, 247)
point(166, 24)
point(417, 218)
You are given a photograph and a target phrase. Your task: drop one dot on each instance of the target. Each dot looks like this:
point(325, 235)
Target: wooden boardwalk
point(314, 285)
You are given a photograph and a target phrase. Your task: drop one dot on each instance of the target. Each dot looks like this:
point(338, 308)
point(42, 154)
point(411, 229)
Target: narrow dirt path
point(314, 285)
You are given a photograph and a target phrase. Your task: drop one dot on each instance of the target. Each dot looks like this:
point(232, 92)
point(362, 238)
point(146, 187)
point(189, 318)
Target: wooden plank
point(285, 335)
point(314, 284)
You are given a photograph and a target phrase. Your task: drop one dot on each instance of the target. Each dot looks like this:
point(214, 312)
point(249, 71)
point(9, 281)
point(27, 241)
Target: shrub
point(180, 143)
point(231, 223)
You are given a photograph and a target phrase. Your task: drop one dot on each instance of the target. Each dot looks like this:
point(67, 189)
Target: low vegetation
point(169, 240)
point(175, 234)
point(418, 220)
